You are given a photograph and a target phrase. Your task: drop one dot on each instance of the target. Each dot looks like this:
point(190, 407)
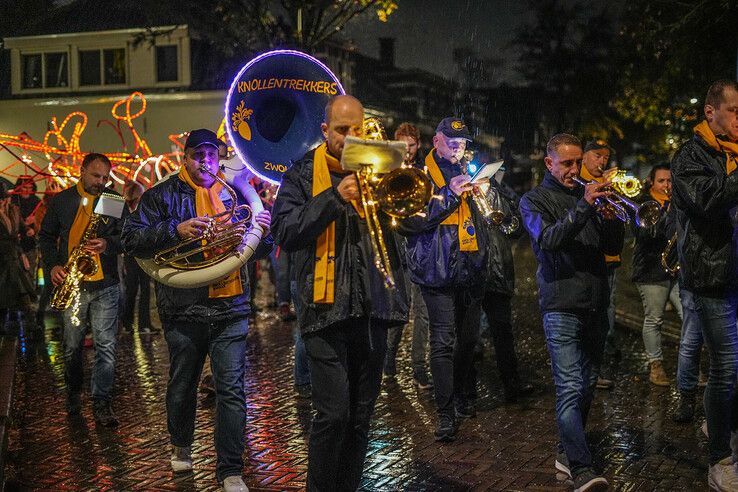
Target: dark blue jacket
point(706, 197)
point(433, 256)
point(153, 227)
point(54, 237)
point(569, 240)
point(299, 219)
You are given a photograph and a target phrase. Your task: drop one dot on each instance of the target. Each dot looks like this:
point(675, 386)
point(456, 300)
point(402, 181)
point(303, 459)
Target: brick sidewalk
point(507, 447)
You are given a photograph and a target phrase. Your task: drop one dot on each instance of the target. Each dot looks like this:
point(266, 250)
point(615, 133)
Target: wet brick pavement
point(506, 447)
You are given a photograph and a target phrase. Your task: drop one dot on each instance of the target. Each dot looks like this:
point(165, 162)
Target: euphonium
point(646, 214)
point(400, 193)
point(218, 241)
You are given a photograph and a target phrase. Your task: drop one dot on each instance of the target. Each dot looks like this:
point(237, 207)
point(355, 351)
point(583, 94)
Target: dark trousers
point(136, 281)
point(498, 307)
point(453, 316)
point(346, 373)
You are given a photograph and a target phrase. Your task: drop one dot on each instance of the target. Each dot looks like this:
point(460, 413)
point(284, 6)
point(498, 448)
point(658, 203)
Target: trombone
point(646, 214)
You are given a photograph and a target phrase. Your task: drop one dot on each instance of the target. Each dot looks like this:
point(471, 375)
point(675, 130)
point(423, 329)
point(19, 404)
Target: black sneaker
point(562, 464)
point(685, 408)
point(589, 481)
point(304, 391)
point(465, 410)
point(74, 403)
point(103, 412)
point(422, 381)
point(446, 429)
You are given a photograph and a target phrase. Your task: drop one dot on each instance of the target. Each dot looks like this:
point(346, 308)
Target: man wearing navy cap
point(446, 257)
point(197, 322)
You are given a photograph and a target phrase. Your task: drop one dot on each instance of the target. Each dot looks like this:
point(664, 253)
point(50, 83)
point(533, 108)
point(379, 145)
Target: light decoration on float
point(62, 154)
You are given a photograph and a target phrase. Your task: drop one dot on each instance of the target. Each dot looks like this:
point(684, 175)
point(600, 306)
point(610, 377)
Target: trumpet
point(400, 193)
point(646, 214)
point(219, 240)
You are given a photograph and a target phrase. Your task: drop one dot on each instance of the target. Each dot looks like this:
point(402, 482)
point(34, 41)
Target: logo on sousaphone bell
point(275, 107)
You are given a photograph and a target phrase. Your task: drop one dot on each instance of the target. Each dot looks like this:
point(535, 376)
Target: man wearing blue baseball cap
point(446, 257)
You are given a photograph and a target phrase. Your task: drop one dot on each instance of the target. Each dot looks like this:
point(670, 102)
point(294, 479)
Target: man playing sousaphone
point(210, 320)
point(346, 309)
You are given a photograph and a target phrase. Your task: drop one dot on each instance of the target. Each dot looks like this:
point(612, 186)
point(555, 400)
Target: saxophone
point(80, 264)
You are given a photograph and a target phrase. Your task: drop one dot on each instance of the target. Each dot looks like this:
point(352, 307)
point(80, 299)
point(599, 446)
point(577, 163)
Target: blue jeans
point(188, 345)
point(302, 368)
point(99, 309)
point(690, 344)
point(575, 343)
point(718, 317)
point(654, 297)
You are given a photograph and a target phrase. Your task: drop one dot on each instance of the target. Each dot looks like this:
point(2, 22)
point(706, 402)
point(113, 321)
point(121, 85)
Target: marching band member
point(345, 309)
point(64, 224)
point(446, 254)
point(197, 322)
point(655, 285)
point(706, 193)
point(570, 240)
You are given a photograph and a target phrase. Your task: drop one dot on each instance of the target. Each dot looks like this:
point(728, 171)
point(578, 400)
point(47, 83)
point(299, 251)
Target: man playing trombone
point(346, 309)
point(570, 240)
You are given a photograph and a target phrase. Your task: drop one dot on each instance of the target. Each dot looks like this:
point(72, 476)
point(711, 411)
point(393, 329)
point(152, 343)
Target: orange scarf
point(462, 218)
point(325, 247)
point(84, 212)
point(730, 148)
point(208, 203)
point(659, 197)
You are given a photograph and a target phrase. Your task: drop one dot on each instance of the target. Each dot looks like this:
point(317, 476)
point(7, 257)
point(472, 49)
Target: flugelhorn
point(487, 206)
point(646, 214)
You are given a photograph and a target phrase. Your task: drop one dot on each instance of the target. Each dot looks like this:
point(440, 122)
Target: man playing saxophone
point(346, 309)
point(64, 225)
point(197, 322)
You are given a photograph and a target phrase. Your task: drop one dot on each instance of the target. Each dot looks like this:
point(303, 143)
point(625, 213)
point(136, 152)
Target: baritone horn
point(400, 193)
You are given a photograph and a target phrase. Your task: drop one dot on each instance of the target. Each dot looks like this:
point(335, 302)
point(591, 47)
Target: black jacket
point(706, 196)
point(569, 239)
point(500, 265)
point(650, 242)
point(433, 256)
point(153, 227)
point(298, 220)
point(54, 237)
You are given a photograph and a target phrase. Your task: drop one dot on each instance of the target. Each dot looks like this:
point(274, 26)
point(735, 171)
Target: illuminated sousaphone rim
point(274, 110)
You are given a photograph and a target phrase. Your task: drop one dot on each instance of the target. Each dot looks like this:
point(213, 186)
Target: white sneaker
point(181, 459)
point(234, 484)
point(722, 476)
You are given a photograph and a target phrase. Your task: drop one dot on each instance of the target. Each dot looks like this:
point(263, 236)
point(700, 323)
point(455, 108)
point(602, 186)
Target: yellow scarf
point(84, 212)
point(659, 197)
point(208, 203)
point(462, 218)
point(730, 148)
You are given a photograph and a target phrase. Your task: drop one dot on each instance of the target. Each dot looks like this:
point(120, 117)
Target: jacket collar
point(553, 184)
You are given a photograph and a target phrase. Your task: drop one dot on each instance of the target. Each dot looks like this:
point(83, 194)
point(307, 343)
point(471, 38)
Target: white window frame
point(102, 86)
point(43, 88)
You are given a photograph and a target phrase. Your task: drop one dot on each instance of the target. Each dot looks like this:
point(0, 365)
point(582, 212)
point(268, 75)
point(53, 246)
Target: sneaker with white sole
point(723, 476)
point(562, 465)
point(589, 481)
point(181, 459)
point(234, 484)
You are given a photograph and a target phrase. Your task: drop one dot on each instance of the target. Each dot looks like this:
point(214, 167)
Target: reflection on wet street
point(506, 447)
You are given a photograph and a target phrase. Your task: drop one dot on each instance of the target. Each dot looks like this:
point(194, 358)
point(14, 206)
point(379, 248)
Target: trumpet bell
point(648, 214)
point(403, 192)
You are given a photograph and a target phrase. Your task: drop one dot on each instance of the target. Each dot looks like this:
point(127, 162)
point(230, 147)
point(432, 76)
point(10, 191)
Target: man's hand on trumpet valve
point(193, 227)
point(460, 184)
point(348, 188)
point(594, 191)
